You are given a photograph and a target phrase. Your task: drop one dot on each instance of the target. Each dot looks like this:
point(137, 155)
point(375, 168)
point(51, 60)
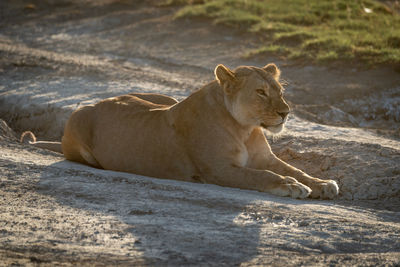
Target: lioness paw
point(299, 190)
point(292, 189)
point(326, 190)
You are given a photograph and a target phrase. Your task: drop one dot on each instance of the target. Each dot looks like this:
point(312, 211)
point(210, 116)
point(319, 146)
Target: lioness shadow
point(173, 223)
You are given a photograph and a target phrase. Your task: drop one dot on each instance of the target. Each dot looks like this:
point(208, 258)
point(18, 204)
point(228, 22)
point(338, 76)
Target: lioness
point(213, 136)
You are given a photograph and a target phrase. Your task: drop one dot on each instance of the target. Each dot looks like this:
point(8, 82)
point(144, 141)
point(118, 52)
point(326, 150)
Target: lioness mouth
point(266, 127)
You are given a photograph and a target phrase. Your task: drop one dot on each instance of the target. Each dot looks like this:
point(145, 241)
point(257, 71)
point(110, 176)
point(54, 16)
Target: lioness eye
point(261, 92)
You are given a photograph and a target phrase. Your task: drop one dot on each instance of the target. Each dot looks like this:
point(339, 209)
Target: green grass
point(316, 30)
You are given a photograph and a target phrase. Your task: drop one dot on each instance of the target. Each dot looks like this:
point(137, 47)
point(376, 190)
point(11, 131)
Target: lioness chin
point(213, 136)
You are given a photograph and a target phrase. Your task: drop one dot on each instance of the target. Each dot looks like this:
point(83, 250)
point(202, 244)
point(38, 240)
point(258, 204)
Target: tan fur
point(213, 136)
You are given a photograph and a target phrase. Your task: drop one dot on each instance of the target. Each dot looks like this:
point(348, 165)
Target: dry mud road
point(58, 55)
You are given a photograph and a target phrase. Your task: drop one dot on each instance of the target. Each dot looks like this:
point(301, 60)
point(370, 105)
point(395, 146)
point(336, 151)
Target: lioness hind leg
point(291, 188)
point(88, 157)
point(78, 137)
point(75, 152)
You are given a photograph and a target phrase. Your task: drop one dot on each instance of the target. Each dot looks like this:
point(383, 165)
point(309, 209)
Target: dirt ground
point(58, 55)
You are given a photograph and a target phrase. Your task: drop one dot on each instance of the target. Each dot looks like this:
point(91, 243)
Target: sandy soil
point(58, 55)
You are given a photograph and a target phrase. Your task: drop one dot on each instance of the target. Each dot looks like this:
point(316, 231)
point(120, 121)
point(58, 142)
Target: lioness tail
point(29, 138)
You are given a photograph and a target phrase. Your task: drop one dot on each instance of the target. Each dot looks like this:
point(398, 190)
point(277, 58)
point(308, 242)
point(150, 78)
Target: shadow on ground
point(172, 223)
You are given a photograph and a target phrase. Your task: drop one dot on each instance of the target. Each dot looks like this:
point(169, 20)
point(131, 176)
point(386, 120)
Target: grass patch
point(315, 30)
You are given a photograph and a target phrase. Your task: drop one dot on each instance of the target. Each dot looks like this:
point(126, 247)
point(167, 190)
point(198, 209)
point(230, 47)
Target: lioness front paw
point(292, 189)
point(327, 189)
point(299, 190)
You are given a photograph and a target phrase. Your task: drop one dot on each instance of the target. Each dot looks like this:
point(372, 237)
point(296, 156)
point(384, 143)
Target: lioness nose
point(283, 114)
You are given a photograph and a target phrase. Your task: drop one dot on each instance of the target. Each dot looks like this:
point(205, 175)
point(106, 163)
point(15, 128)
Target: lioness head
point(254, 96)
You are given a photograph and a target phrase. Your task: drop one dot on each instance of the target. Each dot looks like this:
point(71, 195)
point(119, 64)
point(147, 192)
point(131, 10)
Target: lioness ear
point(273, 70)
point(226, 78)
